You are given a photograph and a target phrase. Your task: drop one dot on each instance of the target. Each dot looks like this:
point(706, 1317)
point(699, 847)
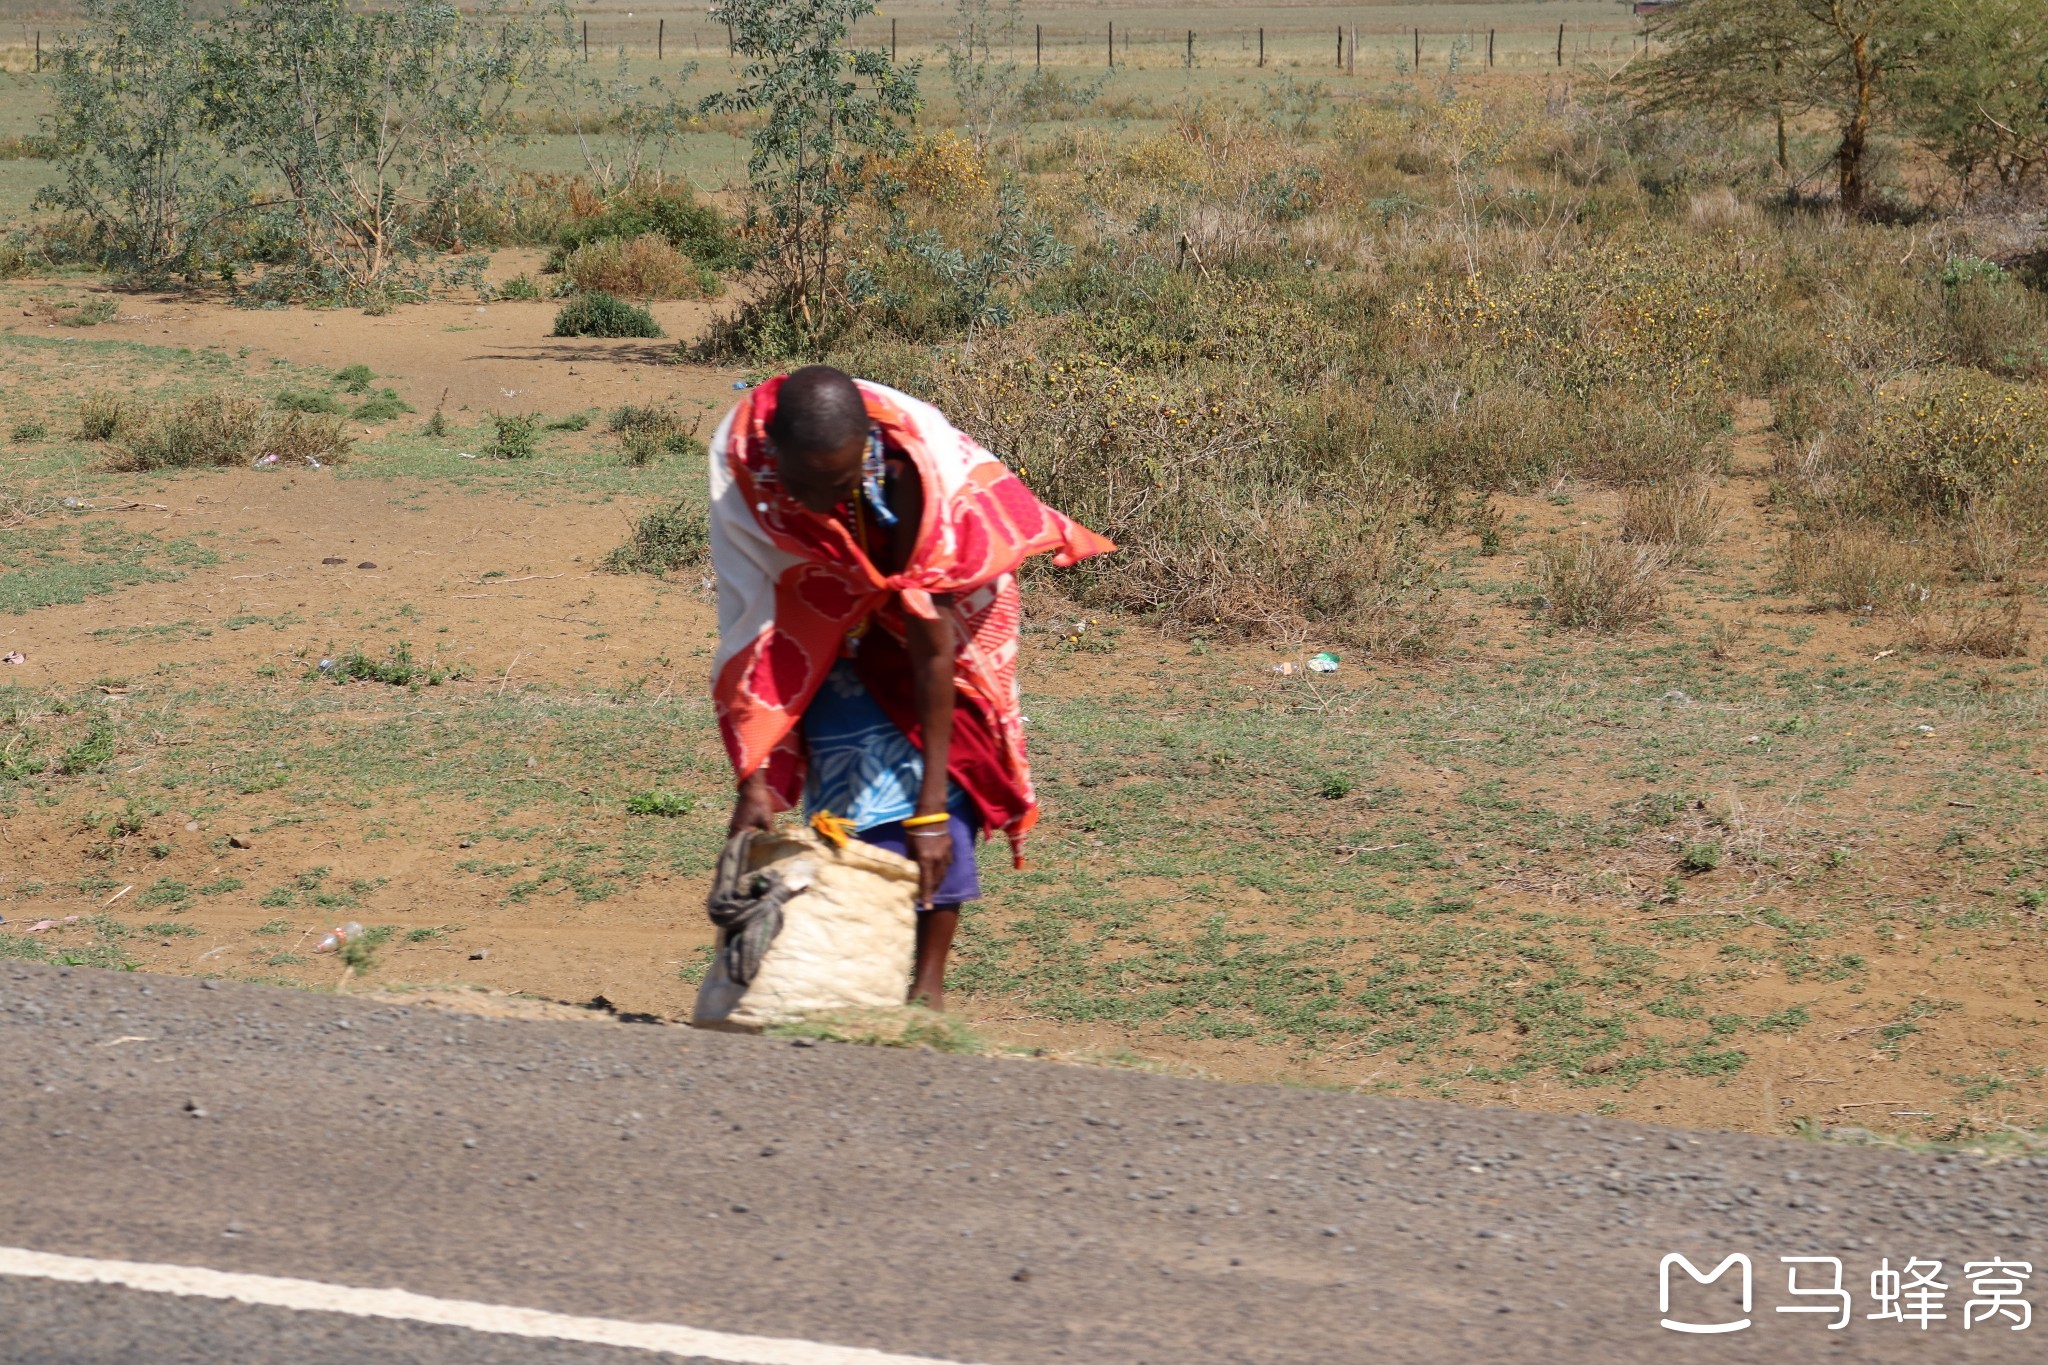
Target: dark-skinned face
point(824, 480)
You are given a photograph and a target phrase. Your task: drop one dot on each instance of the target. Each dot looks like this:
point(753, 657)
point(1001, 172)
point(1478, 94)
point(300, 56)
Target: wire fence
point(1316, 50)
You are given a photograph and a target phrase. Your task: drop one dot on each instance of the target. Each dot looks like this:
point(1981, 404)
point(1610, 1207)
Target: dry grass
point(211, 430)
point(648, 267)
point(1987, 630)
point(1988, 543)
point(1854, 566)
point(99, 416)
point(1682, 514)
point(1601, 585)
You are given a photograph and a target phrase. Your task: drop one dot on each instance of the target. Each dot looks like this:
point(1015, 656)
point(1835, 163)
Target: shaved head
point(818, 414)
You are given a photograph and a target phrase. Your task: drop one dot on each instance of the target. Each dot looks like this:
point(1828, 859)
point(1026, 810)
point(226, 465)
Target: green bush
point(354, 378)
point(516, 436)
point(668, 209)
point(671, 538)
point(519, 289)
point(602, 315)
point(307, 400)
point(29, 431)
point(381, 406)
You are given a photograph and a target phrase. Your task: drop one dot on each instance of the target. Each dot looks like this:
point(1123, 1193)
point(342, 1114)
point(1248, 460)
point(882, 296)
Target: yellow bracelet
point(916, 821)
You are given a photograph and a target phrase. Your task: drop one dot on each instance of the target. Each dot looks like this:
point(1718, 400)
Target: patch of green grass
point(382, 406)
point(91, 753)
point(397, 668)
point(665, 804)
point(275, 926)
point(172, 895)
point(354, 378)
point(72, 561)
point(308, 401)
point(171, 929)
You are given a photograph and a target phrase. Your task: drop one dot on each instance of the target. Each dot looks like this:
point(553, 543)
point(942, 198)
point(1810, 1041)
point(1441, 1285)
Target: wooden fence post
point(1262, 47)
point(1560, 44)
point(39, 50)
point(1340, 47)
point(586, 40)
point(1418, 49)
point(892, 39)
point(1489, 47)
point(1190, 62)
point(1039, 58)
point(1112, 44)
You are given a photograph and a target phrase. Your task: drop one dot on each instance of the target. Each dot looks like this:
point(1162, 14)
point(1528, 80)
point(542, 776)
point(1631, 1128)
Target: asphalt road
point(969, 1209)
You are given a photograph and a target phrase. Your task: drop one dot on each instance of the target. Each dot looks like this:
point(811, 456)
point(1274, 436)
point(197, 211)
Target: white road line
point(312, 1296)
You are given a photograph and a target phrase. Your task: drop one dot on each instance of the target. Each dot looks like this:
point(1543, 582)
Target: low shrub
point(667, 209)
point(639, 267)
point(99, 416)
point(663, 541)
point(381, 406)
point(1988, 631)
point(1601, 585)
point(354, 378)
point(308, 401)
point(29, 431)
point(1992, 321)
point(1854, 566)
point(211, 429)
point(519, 289)
point(397, 668)
point(601, 315)
point(515, 436)
point(1682, 514)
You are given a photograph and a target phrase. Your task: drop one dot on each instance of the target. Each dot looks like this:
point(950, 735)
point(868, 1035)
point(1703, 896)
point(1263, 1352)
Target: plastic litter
point(14, 657)
point(739, 383)
point(1286, 670)
point(1677, 697)
point(40, 925)
point(265, 461)
point(312, 462)
point(1323, 663)
point(326, 665)
point(465, 455)
point(338, 935)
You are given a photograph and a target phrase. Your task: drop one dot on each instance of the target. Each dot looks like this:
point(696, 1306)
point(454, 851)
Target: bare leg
point(934, 940)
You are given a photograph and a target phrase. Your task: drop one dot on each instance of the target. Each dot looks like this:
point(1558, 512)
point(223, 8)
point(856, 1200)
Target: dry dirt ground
point(1492, 852)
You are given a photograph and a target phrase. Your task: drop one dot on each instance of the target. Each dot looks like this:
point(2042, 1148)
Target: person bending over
point(866, 552)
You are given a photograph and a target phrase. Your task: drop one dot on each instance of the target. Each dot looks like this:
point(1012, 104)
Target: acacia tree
point(1841, 58)
point(825, 112)
point(1980, 97)
point(129, 133)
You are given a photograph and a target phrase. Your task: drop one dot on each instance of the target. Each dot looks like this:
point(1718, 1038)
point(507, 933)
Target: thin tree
point(1784, 58)
point(826, 111)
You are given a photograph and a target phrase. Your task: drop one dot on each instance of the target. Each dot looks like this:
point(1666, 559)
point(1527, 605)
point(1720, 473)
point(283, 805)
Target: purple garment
point(963, 878)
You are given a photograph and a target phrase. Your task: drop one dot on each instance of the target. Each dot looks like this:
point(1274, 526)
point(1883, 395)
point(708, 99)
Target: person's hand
point(931, 848)
point(755, 808)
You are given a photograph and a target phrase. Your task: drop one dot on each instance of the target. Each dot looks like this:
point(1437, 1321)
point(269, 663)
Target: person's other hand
point(931, 848)
point(755, 808)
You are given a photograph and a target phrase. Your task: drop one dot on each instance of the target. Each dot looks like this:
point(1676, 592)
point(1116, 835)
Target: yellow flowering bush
point(1962, 436)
